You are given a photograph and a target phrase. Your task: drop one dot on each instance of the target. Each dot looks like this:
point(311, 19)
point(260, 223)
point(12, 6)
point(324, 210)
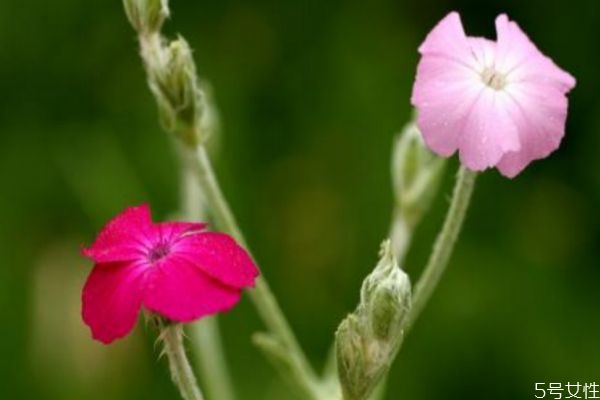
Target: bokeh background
point(310, 95)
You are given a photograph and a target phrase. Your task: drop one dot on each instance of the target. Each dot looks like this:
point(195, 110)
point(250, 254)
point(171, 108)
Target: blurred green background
point(310, 94)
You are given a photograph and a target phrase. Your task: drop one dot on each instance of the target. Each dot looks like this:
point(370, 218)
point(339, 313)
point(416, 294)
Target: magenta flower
point(499, 103)
point(175, 269)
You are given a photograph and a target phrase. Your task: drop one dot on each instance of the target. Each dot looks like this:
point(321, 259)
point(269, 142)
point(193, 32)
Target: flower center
point(493, 79)
point(159, 251)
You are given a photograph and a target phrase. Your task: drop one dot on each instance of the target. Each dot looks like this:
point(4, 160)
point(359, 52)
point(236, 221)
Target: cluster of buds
point(171, 72)
point(368, 339)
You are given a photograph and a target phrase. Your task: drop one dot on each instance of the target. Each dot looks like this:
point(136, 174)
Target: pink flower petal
point(444, 93)
point(124, 238)
point(219, 256)
point(181, 292)
point(518, 56)
point(499, 103)
point(540, 114)
point(513, 46)
point(447, 39)
point(489, 132)
point(111, 299)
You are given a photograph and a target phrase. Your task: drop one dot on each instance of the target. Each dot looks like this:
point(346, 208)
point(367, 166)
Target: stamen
point(493, 79)
point(159, 251)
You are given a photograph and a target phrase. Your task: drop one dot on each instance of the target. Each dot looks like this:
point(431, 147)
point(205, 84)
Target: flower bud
point(351, 357)
point(385, 296)
point(416, 174)
point(146, 16)
point(367, 340)
point(172, 78)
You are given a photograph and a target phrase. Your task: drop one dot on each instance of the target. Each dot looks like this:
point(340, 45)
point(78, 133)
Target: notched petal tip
point(501, 21)
point(447, 37)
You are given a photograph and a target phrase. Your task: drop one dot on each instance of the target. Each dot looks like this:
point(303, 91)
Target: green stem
point(442, 250)
point(444, 244)
point(210, 359)
point(262, 297)
point(181, 371)
point(400, 235)
point(205, 334)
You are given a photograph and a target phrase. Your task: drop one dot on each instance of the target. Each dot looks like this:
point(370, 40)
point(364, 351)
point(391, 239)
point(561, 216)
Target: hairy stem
point(261, 296)
point(181, 371)
point(205, 334)
point(401, 235)
point(444, 244)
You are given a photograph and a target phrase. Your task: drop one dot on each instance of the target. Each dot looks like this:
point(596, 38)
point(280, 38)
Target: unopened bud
point(351, 357)
point(174, 83)
point(385, 296)
point(146, 16)
point(367, 339)
point(416, 173)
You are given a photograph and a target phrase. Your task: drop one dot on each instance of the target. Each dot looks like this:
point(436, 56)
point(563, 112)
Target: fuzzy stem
point(438, 260)
point(444, 244)
point(181, 371)
point(205, 334)
point(261, 296)
point(176, 91)
point(401, 235)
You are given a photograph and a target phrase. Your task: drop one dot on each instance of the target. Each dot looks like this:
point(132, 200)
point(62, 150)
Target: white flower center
point(494, 79)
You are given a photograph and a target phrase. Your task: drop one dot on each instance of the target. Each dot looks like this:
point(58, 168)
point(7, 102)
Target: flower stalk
point(205, 333)
point(181, 103)
point(364, 359)
point(172, 80)
point(171, 336)
point(444, 244)
point(298, 370)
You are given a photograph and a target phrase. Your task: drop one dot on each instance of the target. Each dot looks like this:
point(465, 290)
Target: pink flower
point(499, 103)
point(175, 269)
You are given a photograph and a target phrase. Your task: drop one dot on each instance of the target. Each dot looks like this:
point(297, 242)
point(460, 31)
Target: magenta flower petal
point(171, 231)
point(182, 292)
point(112, 296)
point(500, 104)
point(123, 238)
point(219, 256)
point(171, 268)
